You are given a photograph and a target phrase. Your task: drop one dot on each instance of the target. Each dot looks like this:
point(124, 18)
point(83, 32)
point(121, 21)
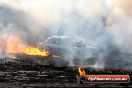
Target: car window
point(51, 41)
point(65, 41)
point(60, 41)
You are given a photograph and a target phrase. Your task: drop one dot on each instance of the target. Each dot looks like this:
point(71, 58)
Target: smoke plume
point(103, 24)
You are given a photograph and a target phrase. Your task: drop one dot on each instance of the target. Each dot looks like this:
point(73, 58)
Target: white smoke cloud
point(47, 11)
point(91, 20)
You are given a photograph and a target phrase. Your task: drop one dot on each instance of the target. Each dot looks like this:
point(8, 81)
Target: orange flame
point(13, 45)
point(35, 51)
point(81, 71)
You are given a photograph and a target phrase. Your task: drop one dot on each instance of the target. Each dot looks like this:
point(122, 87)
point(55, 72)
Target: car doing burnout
point(70, 49)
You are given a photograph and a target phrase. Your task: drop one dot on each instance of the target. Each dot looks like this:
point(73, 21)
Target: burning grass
point(35, 51)
point(13, 44)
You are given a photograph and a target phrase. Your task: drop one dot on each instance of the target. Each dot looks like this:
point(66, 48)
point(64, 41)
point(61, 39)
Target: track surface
point(20, 75)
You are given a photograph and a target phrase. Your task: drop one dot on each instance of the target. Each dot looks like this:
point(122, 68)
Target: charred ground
point(20, 74)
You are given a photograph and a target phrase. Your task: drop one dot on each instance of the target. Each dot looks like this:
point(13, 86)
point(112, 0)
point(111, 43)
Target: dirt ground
point(23, 75)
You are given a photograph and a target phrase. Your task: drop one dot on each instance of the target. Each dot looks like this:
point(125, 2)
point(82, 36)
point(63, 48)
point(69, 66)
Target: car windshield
point(60, 41)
